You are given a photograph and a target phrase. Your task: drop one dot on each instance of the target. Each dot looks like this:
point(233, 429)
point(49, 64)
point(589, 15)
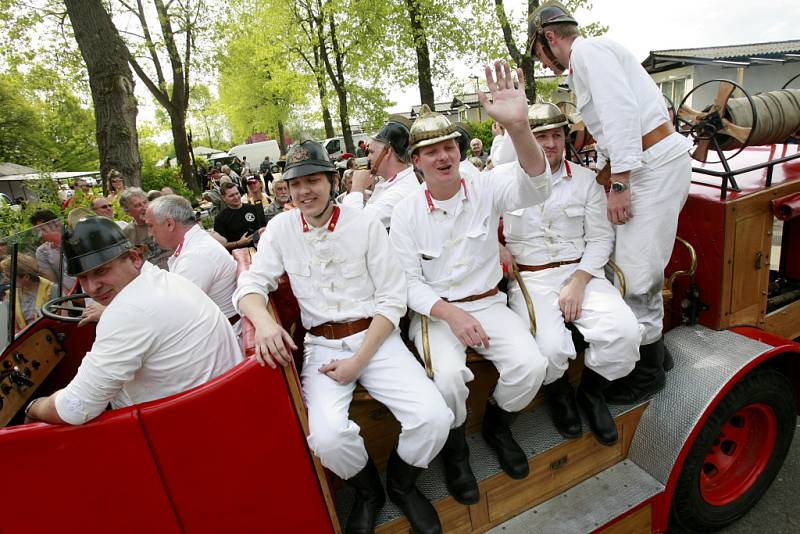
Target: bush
point(156, 178)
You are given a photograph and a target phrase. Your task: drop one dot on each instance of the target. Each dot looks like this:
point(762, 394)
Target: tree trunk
point(319, 74)
point(281, 137)
point(426, 95)
point(522, 58)
point(181, 144)
point(337, 79)
point(111, 82)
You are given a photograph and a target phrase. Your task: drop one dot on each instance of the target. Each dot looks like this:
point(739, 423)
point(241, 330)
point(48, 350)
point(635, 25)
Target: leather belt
point(340, 330)
point(659, 133)
point(535, 268)
point(234, 318)
point(479, 296)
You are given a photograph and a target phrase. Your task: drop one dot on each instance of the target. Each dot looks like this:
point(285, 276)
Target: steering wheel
point(51, 308)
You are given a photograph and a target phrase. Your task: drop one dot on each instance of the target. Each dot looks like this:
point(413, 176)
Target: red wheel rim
point(739, 454)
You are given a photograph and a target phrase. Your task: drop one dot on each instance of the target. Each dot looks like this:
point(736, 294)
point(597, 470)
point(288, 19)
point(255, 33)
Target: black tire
point(690, 510)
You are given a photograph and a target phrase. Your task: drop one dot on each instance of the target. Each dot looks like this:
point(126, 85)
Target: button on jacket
point(343, 271)
point(455, 255)
point(202, 260)
point(619, 103)
point(159, 336)
point(386, 195)
point(572, 223)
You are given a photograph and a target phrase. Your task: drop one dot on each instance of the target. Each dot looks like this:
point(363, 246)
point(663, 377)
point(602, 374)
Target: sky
point(647, 25)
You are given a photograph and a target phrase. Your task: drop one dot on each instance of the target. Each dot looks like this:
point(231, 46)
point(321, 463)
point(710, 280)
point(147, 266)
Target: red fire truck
point(231, 455)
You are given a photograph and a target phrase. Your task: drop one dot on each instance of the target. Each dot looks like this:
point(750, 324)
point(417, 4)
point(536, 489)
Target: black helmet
point(464, 139)
point(546, 14)
point(93, 242)
point(395, 133)
point(307, 158)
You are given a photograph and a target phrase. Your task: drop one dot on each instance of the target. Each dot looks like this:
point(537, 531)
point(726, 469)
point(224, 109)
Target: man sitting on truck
point(352, 294)
point(445, 236)
point(159, 334)
point(560, 249)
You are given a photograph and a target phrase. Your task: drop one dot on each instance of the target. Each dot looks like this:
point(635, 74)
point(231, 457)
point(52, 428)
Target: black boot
point(646, 379)
point(369, 500)
point(496, 430)
point(457, 472)
point(563, 410)
point(400, 485)
point(669, 363)
point(590, 398)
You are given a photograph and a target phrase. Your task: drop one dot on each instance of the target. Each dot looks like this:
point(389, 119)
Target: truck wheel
point(737, 453)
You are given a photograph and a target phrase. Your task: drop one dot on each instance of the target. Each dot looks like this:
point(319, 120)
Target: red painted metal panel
point(98, 477)
point(233, 456)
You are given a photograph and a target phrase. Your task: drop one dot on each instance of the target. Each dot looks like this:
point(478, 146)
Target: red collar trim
point(568, 169)
point(331, 224)
point(178, 249)
point(429, 199)
point(390, 180)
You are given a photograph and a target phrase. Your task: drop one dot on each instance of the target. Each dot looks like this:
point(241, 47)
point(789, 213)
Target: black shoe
point(563, 409)
point(646, 379)
point(496, 430)
point(400, 485)
point(369, 500)
point(457, 472)
point(669, 363)
point(590, 398)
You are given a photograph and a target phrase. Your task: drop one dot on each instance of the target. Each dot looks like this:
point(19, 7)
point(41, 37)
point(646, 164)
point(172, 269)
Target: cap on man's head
point(430, 128)
point(307, 158)
point(94, 241)
point(253, 180)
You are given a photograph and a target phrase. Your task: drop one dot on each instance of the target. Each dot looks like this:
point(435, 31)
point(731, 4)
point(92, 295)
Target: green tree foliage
point(22, 140)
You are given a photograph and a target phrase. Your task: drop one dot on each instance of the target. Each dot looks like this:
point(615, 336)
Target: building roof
point(743, 55)
point(9, 169)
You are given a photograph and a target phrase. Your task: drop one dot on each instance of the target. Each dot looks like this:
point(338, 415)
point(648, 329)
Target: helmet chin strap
point(321, 213)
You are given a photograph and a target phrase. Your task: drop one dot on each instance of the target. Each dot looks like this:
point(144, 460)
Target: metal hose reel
point(735, 123)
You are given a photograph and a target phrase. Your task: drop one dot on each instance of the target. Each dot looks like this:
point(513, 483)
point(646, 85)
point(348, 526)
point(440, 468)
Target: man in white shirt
point(352, 294)
point(159, 334)
point(445, 236)
point(389, 160)
point(198, 257)
point(560, 248)
point(648, 167)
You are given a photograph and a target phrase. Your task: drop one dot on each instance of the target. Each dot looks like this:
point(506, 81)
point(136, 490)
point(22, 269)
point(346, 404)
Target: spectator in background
point(245, 167)
point(266, 166)
point(102, 207)
point(238, 223)
point(134, 201)
point(153, 194)
point(214, 180)
point(32, 290)
point(83, 194)
point(48, 254)
point(361, 151)
point(346, 186)
point(116, 186)
point(167, 190)
point(476, 162)
point(281, 200)
point(255, 193)
point(476, 149)
point(234, 178)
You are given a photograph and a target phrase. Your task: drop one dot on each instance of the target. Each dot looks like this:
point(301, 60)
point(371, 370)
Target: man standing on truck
point(648, 167)
point(158, 335)
point(352, 294)
point(560, 249)
point(445, 237)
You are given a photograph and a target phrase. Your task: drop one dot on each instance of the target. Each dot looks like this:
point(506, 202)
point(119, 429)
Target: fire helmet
point(548, 13)
point(93, 242)
point(395, 133)
point(545, 116)
point(431, 128)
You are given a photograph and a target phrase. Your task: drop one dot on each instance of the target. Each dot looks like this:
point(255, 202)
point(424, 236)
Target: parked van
point(335, 145)
point(256, 152)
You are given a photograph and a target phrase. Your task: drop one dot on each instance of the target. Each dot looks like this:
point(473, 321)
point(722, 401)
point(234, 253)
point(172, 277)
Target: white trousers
point(394, 378)
point(644, 244)
point(606, 322)
point(512, 350)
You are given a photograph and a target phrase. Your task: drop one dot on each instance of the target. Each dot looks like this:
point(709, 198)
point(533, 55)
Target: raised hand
point(508, 104)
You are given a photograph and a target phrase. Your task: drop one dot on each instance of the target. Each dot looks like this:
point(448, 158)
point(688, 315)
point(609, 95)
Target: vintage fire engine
point(231, 455)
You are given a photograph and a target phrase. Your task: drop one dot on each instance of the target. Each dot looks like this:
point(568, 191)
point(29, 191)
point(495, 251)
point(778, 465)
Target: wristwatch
point(618, 187)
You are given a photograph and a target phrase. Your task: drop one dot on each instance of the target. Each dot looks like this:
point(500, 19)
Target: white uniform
point(572, 224)
point(159, 336)
point(450, 250)
point(620, 103)
point(386, 195)
point(202, 260)
point(343, 272)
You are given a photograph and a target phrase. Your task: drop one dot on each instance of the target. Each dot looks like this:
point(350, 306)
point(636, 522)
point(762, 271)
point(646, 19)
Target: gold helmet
point(545, 116)
point(430, 128)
